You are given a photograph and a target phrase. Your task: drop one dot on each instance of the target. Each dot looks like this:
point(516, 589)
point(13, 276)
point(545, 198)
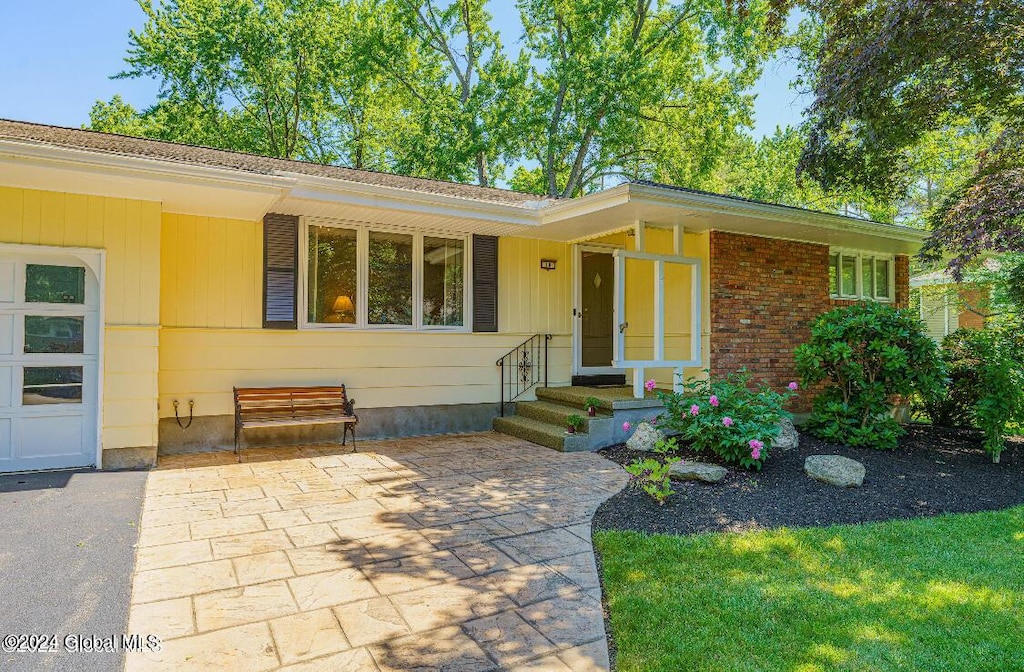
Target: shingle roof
point(121, 145)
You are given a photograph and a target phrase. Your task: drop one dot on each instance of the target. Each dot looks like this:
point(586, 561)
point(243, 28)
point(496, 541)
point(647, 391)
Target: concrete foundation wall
point(216, 432)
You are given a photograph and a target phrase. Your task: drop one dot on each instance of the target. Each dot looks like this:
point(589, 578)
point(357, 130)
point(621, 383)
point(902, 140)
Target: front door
point(49, 356)
point(595, 310)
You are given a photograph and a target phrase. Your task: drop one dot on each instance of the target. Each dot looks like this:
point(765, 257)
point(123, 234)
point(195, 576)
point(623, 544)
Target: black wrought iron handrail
point(523, 367)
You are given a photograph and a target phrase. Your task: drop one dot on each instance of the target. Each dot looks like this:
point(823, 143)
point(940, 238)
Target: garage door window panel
point(52, 385)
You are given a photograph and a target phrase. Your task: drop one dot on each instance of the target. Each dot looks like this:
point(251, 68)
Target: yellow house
point(140, 281)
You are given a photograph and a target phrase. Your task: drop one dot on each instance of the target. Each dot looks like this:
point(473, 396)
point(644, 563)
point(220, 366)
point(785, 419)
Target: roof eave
point(720, 204)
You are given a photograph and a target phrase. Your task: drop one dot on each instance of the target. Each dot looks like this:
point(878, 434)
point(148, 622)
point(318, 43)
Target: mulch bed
point(934, 470)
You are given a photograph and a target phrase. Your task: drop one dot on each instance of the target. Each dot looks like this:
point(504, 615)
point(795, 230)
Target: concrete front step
point(554, 413)
point(610, 398)
point(542, 433)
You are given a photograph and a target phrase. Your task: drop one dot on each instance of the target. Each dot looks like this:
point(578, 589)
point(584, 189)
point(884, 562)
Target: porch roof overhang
point(697, 212)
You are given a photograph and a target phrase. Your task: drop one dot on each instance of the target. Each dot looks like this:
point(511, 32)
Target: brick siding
point(765, 293)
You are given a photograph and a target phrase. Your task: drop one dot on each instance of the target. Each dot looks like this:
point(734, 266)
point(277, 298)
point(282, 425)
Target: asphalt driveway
point(67, 552)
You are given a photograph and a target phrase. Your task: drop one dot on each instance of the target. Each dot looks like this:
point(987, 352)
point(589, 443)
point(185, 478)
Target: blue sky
point(58, 56)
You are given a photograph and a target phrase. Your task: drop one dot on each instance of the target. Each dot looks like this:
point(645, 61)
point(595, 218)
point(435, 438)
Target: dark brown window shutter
point(485, 283)
point(280, 271)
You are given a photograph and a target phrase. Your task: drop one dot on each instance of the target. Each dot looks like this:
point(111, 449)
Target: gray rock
point(644, 437)
point(788, 437)
point(835, 470)
point(697, 471)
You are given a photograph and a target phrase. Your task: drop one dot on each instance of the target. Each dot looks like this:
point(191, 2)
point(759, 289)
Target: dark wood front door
point(597, 297)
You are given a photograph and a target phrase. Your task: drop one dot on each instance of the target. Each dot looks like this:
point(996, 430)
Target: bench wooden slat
point(317, 420)
point(282, 406)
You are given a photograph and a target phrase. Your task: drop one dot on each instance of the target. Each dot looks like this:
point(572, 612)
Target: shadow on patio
point(467, 552)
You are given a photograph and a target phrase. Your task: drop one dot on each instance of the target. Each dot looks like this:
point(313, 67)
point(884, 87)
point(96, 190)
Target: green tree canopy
point(887, 76)
point(600, 89)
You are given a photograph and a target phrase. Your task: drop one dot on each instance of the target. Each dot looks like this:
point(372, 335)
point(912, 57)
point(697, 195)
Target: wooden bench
point(284, 406)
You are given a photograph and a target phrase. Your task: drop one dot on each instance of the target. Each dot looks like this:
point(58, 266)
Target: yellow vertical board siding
point(76, 209)
point(381, 368)
point(532, 300)
point(31, 216)
point(210, 269)
point(12, 214)
point(51, 218)
point(114, 227)
point(128, 230)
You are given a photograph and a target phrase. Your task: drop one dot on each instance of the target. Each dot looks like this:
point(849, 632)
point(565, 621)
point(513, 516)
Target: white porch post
point(619, 344)
point(659, 310)
point(697, 310)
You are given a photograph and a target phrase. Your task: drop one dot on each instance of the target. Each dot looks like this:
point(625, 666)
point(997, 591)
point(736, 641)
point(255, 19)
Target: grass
point(943, 593)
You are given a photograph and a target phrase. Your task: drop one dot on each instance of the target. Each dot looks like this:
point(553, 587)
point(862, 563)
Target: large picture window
point(854, 275)
point(361, 276)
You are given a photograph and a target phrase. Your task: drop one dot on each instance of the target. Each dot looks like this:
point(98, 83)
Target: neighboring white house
point(946, 305)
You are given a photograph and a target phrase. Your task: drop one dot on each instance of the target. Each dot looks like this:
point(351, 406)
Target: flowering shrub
point(726, 417)
point(651, 474)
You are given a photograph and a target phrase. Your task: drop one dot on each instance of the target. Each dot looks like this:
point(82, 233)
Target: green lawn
point(943, 593)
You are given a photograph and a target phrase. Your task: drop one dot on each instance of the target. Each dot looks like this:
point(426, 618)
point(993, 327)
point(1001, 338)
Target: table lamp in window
point(343, 311)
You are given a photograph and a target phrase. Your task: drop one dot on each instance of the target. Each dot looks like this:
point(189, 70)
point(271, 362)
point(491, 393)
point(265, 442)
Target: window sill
point(859, 298)
point(384, 328)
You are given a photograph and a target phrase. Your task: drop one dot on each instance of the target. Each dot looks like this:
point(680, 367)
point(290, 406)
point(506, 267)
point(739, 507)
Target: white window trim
point(860, 257)
point(363, 230)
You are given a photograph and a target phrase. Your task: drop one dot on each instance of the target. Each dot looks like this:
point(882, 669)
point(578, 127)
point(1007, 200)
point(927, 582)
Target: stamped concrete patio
point(468, 552)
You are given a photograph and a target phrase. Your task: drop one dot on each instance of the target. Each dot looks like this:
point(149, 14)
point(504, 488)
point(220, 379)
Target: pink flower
point(755, 449)
point(756, 453)
point(713, 401)
point(695, 409)
point(727, 421)
point(793, 386)
point(650, 385)
point(626, 426)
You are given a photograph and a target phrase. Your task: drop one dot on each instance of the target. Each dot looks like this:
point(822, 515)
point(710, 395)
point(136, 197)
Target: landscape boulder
point(788, 437)
point(645, 437)
point(697, 471)
point(835, 470)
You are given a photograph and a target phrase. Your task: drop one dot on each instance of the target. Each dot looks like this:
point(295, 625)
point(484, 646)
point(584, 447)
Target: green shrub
point(866, 353)
point(985, 384)
point(953, 404)
point(651, 474)
point(726, 417)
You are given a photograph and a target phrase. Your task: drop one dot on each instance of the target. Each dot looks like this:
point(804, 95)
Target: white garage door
point(49, 347)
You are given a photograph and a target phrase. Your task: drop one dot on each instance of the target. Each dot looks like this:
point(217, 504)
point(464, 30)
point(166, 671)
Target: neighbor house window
point(854, 275)
point(363, 276)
